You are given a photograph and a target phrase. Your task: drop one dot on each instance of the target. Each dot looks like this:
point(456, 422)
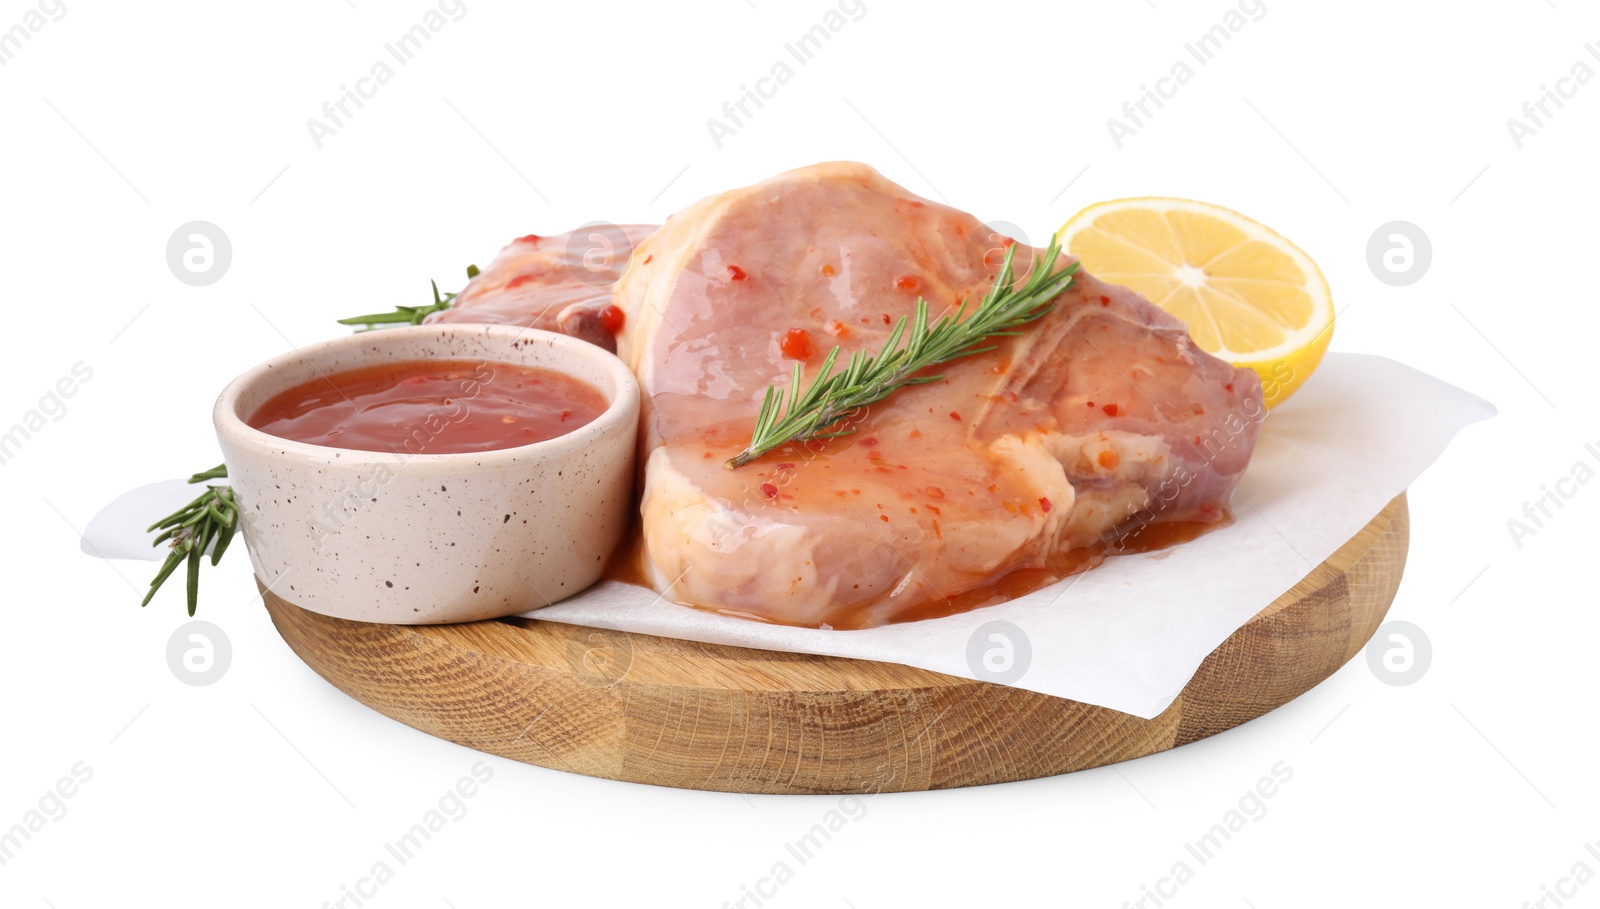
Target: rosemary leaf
point(210, 521)
point(194, 580)
point(808, 414)
point(406, 315)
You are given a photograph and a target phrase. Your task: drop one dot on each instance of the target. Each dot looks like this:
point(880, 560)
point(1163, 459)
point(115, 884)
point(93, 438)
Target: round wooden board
point(702, 716)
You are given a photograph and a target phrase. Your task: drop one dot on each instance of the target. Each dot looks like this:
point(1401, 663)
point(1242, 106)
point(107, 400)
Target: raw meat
point(1022, 465)
point(557, 283)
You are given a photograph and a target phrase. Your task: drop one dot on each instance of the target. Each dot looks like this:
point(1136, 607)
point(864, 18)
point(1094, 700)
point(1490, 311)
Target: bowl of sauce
point(437, 473)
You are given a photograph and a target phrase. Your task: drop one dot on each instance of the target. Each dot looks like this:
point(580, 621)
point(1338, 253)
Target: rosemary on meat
point(811, 411)
point(189, 531)
point(408, 315)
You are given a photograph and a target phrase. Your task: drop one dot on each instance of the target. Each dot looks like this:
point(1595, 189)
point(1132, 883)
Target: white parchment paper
point(1130, 633)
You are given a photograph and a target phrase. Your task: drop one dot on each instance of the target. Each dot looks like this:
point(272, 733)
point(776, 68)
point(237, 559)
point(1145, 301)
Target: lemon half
point(1248, 295)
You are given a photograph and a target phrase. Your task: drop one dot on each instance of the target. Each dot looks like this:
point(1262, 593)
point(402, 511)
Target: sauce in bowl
point(431, 407)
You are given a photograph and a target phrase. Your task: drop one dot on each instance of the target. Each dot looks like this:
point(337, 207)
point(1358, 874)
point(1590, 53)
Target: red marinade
point(431, 407)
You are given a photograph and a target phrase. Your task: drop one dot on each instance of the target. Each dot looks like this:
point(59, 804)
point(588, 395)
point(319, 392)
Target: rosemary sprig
point(192, 528)
point(408, 315)
point(811, 411)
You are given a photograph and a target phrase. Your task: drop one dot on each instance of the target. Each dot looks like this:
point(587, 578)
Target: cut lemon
point(1248, 295)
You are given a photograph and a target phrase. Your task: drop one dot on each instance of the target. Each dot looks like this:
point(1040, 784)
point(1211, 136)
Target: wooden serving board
point(702, 716)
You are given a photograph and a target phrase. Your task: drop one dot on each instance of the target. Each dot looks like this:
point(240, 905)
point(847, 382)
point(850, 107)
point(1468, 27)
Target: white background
point(1473, 786)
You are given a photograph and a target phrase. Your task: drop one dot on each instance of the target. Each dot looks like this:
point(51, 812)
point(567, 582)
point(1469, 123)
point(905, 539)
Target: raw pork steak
point(1020, 466)
point(557, 283)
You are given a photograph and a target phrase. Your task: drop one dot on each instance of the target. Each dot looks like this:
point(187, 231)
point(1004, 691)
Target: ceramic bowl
point(425, 538)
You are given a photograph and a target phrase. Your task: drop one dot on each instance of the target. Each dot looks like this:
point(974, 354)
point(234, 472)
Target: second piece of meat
point(557, 283)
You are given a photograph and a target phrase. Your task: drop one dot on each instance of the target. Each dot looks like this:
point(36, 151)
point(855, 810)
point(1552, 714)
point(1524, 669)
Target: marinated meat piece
point(557, 283)
point(1021, 465)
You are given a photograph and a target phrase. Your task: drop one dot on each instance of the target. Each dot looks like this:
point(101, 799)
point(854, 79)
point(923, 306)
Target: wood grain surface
point(702, 716)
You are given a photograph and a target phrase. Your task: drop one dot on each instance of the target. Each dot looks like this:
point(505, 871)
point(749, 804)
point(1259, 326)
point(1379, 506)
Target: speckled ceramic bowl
point(425, 538)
